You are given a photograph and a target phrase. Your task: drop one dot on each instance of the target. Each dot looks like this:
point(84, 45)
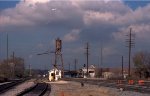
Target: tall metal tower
point(58, 55)
point(130, 44)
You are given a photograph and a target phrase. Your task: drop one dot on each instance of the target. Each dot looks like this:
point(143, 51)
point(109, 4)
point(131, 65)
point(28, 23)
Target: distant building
point(108, 75)
point(115, 72)
point(54, 74)
point(91, 71)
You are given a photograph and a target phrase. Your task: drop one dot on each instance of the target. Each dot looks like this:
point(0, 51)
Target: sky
point(34, 25)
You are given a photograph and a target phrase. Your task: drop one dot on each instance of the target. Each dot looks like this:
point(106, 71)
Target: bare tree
point(142, 64)
point(5, 69)
point(14, 67)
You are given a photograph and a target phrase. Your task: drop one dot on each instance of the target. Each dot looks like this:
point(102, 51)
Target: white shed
point(91, 71)
point(108, 75)
point(54, 74)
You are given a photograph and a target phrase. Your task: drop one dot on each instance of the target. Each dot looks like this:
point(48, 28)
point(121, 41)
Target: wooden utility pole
point(101, 59)
point(69, 67)
point(130, 42)
point(101, 54)
point(87, 58)
point(29, 69)
point(122, 67)
point(13, 56)
point(69, 70)
point(75, 64)
point(7, 49)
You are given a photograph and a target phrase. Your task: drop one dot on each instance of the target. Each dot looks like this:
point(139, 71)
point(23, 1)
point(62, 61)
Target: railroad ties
point(38, 90)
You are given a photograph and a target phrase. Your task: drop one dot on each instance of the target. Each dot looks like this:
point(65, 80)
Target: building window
point(52, 74)
point(57, 73)
point(91, 71)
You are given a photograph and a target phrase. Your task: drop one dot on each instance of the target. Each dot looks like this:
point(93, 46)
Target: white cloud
point(35, 1)
point(101, 19)
point(34, 12)
point(140, 33)
point(72, 36)
point(93, 17)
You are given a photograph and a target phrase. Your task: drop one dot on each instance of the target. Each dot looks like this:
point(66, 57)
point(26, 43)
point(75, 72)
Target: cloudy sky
point(33, 26)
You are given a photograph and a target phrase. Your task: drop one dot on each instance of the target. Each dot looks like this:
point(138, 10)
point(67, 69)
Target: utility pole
point(130, 42)
point(29, 69)
point(0, 48)
point(69, 70)
point(7, 49)
point(75, 64)
point(13, 56)
point(101, 54)
point(101, 58)
point(87, 58)
point(69, 66)
point(122, 67)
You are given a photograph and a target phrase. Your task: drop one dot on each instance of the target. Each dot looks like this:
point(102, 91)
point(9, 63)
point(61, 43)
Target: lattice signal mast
point(58, 55)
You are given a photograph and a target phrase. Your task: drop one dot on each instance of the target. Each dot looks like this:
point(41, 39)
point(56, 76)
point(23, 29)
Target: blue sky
point(7, 4)
point(136, 3)
point(131, 3)
point(33, 27)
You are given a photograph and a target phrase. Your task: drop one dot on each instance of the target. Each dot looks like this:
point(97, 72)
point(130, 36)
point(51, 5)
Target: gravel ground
point(68, 88)
point(18, 89)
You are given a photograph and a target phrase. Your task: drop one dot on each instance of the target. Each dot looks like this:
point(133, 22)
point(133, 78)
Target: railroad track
point(113, 84)
point(5, 87)
point(38, 90)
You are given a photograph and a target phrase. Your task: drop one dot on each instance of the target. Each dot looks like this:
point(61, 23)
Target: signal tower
point(58, 55)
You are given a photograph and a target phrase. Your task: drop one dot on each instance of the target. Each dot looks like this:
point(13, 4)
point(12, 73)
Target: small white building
point(54, 74)
point(91, 71)
point(108, 75)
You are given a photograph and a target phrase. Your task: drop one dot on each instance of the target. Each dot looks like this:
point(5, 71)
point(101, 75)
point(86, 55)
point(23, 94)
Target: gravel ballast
point(70, 88)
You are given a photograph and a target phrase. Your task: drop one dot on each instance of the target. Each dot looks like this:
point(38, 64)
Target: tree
point(14, 67)
point(5, 69)
point(142, 64)
point(19, 67)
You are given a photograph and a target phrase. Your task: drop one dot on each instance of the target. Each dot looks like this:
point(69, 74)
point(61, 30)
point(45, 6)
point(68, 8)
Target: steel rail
point(8, 86)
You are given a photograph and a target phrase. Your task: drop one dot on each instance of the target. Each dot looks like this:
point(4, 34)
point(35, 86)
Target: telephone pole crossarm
point(130, 44)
